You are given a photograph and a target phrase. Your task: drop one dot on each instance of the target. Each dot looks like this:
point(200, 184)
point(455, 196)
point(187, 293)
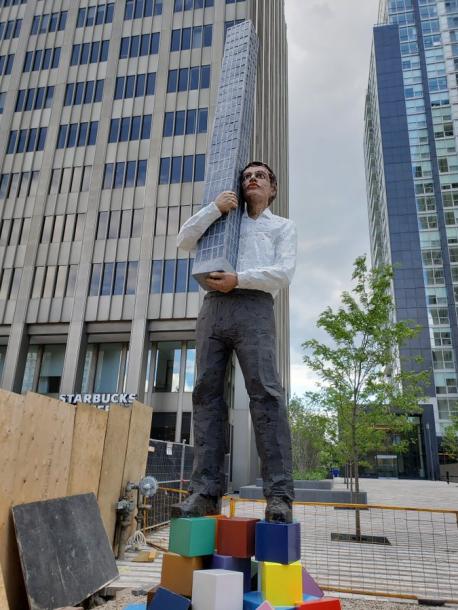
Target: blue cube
point(166, 600)
point(278, 542)
point(236, 564)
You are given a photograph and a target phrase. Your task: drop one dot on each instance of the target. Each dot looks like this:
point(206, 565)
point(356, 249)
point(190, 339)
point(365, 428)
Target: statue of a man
point(238, 314)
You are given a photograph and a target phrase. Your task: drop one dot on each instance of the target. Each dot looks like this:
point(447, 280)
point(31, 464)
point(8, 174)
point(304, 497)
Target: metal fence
point(403, 552)
point(171, 465)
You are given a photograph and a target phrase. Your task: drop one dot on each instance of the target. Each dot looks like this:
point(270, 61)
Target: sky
point(329, 51)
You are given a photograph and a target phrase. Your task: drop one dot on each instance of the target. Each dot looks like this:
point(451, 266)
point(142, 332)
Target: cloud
point(329, 50)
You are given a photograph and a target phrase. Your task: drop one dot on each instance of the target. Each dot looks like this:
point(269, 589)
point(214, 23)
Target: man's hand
point(221, 281)
point(226, 201)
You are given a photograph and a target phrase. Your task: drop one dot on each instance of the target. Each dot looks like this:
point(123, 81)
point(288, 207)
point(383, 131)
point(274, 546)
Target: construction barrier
point(398, 551)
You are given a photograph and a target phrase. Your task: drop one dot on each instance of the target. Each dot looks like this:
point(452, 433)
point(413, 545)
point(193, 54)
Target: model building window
point(105, 368)
point(10, 29)
point(42, 59)
point(184, 79)
point(138, 46)
point(95, 15)
point(194, 37)
point(130, 128)
point(89, 52)
point(6, 64)
point(135, 85)
point(187, 5)
point(49, 22)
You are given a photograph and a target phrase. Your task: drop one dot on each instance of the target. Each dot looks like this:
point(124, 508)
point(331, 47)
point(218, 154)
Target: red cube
point(235, 537)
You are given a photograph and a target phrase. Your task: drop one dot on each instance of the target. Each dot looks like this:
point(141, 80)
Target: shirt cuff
point(243, 280)
point(215, 211)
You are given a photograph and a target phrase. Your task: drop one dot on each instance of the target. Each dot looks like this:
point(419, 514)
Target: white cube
point(217, 590)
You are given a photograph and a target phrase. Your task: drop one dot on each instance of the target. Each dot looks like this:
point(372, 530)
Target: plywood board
point(138, 442)
point(114, 453)
point(65, 553)
point(3, 599)
point(43, 438)
point(87, 450)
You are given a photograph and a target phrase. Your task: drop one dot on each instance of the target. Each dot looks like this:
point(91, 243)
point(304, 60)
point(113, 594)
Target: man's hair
point(272, 176)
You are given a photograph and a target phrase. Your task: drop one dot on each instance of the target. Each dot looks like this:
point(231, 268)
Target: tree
point(312, 434)
point(362, 381)
point(450, 439)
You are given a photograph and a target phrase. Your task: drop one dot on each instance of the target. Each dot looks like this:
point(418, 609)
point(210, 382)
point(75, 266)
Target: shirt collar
point(266, 213)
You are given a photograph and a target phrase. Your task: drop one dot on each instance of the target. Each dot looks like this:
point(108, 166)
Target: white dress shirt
point(267, 247)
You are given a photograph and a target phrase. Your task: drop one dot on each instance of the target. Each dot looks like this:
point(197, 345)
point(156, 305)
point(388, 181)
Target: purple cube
point(236, 564)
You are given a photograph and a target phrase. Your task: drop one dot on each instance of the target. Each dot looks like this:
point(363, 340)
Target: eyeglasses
point(259, 175)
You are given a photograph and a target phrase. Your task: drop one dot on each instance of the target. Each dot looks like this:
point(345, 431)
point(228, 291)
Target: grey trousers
point(242, 320)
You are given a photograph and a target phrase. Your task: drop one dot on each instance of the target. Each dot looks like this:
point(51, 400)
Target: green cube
point(192, 537)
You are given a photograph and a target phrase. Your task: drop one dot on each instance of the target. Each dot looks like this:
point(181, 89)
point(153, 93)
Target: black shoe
point(279, 510)
point(196, 505)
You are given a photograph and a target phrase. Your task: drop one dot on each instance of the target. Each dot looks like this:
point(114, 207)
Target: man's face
point(256, 184)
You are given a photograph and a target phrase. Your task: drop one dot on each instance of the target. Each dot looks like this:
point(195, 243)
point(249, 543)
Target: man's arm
point(278, 275)
point(195, 227)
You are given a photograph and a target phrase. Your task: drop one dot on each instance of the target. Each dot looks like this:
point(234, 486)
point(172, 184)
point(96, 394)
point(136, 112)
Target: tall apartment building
point(412, 184)
point(106, 115)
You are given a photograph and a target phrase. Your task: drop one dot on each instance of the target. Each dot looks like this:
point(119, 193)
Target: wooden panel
point(114, 453)
point(137, 444)
point(39, 436)
point(3, 599)
point(11, 414)
point(87, 450)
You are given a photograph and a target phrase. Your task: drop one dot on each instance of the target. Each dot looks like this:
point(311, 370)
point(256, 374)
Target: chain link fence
point(171, 465)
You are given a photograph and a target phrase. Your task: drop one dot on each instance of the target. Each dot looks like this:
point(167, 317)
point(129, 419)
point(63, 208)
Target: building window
point(83, 92)
point(136, 9)
point(89, 52)
point(172, 275)
point(70, 179)
point(171, 367)
point(185, 122)
point(54, 281)
point(190, 79)
point(34, 99)
point(62, 227)
point(194, 37)
point(95, 15)
point(187, 5)
point(14, 231)
point(26, 140)
point(2, 101)
point(190, 168)
point(9, 283)
point(105, 368)
point(119, 224)
point(22, 184)
point(42, 59)
point(130, 128)
point(43, 369)
point(138, 46)
point(77, 134)
point(108, 277)
point(6, 64)
point(49, 22)
point(135, 85)
point(10, 29)
point(125, 174)
point(4, 3)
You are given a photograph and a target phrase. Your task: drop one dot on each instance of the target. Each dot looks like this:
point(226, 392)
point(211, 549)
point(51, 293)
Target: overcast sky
point(329, 50)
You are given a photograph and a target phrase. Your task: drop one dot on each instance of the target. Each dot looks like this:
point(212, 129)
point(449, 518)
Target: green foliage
point(312, 432)
point(361, 382)
point(450, 439)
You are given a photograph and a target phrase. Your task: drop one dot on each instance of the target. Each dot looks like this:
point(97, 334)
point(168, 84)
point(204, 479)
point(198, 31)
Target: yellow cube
point(281, 584)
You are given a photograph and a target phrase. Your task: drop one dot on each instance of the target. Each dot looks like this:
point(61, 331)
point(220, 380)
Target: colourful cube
point(167, 600)
point(217, 590)
point(278, 542)
point(177, 572)
point(236, 564)
point(255, 601)
point(281, 584)
point(325, 603)
point(236, 537)
point(193, 536)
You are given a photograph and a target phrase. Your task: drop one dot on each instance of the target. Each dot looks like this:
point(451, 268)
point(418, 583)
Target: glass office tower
point(106, 112)
point(412, 183)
